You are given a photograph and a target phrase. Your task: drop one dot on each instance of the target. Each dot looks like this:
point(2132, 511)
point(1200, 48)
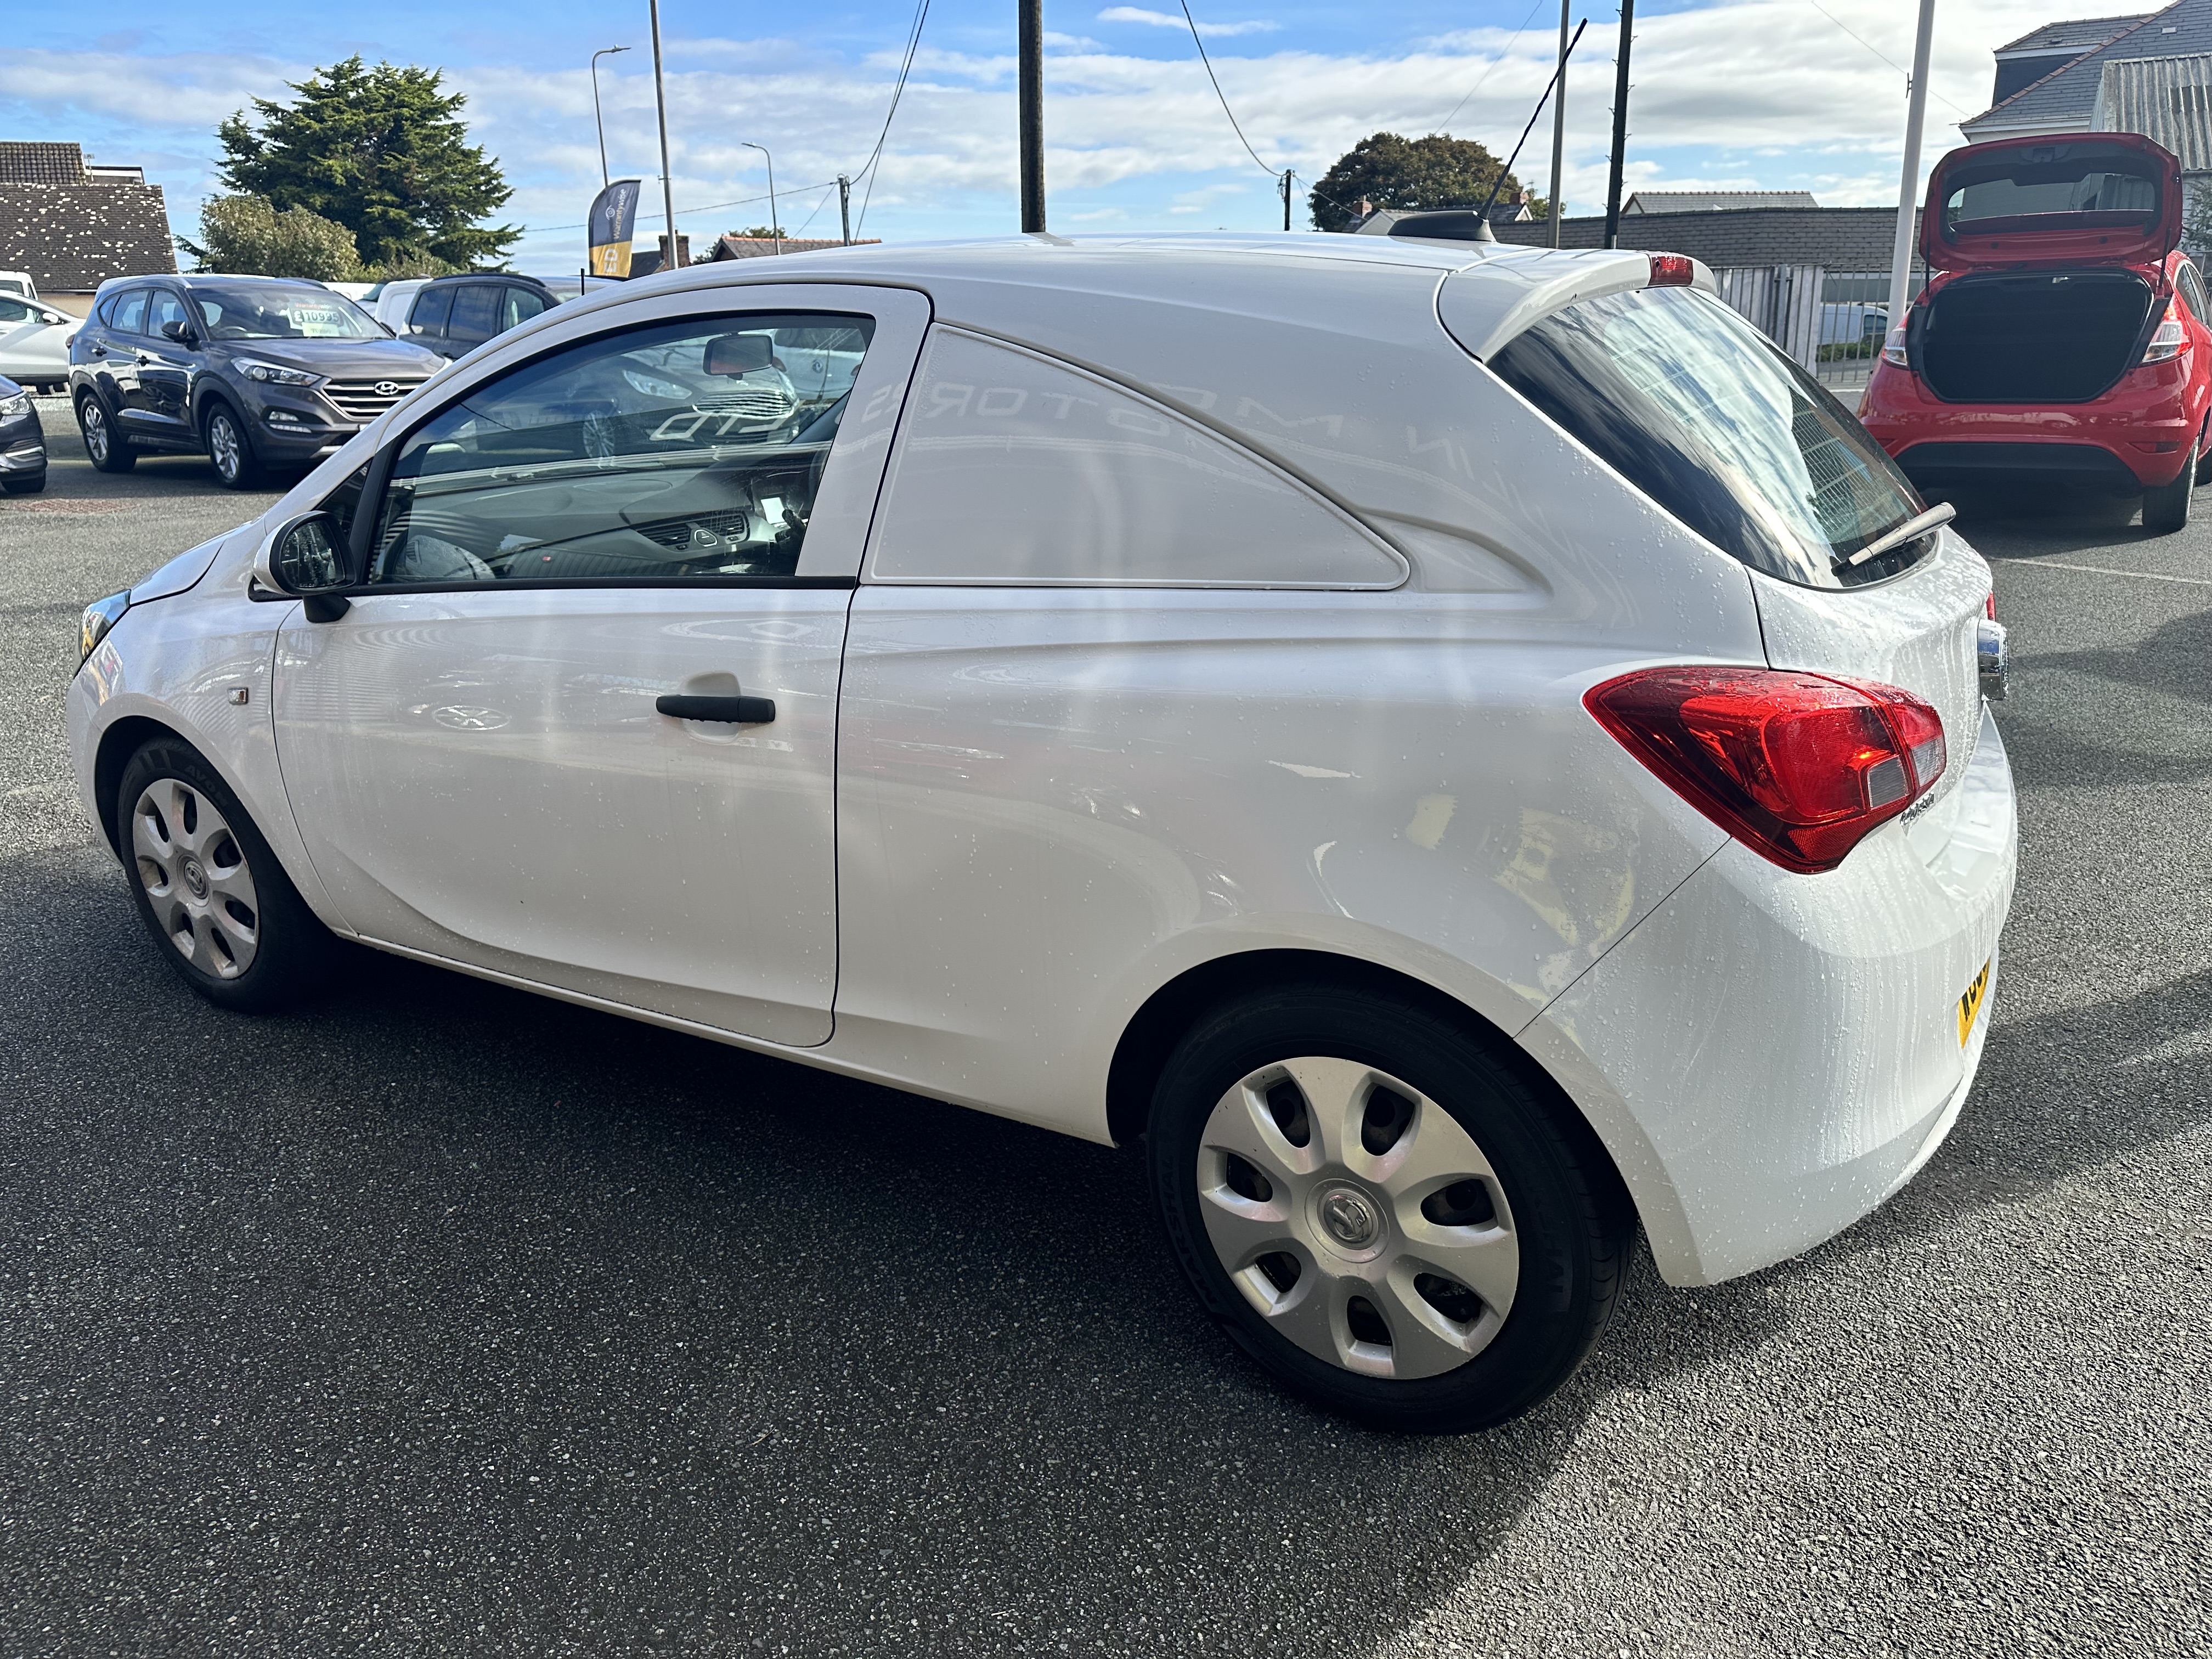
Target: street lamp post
point(661, 106)
point(775, 225)
point(599, 120)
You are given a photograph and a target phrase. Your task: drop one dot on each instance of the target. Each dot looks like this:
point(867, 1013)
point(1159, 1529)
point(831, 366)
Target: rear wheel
point(106, 447)
point(1380, 1213)
point(211, 893)
point(2166, 510)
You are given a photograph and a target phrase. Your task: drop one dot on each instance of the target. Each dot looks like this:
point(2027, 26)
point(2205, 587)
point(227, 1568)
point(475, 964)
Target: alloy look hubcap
point(1357, 1217)
point(222, 446)
point(196, 877)
point(95, 432)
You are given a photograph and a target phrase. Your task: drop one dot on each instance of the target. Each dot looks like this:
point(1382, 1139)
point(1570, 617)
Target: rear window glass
point(1701, 411)
point(2079, 186)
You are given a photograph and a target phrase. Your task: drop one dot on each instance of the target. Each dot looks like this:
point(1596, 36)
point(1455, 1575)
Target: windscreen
point(1701, 411)
point(280, 311)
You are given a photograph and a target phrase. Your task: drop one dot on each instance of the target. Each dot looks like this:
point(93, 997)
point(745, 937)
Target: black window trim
point(361, 544)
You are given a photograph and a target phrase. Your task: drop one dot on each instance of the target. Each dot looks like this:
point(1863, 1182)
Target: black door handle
point(738, 711)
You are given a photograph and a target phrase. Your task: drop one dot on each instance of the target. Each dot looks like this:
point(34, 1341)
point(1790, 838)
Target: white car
point(34, 342)
point(1458, 751)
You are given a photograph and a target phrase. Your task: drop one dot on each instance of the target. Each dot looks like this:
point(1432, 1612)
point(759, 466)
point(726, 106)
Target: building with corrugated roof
point(2072, 56)
point(1715, 201)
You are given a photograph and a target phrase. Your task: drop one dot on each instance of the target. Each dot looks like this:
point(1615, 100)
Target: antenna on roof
point(1482, 230)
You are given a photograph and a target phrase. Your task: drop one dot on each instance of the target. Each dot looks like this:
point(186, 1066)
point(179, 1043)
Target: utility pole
point(1908, 188)
point(845, 208)
point(661, 105)
point(1032, 95)
point(1559, 125)
point(1286, 199)
point(1620, 125)
point(597, 119)
point(774, 224)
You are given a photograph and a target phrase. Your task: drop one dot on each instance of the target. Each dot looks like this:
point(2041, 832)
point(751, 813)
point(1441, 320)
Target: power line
point(1272, 173)
point(1492, 69)
point(1863, 40)
point(869, 169)
point(704, 207)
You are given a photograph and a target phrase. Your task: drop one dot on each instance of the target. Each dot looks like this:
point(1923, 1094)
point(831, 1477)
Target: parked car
point(22, 442)
point(19, 283)
point(34, 343)
point(2062, 335)
point(1454, 751)
point(255, 373)
point(454, 315)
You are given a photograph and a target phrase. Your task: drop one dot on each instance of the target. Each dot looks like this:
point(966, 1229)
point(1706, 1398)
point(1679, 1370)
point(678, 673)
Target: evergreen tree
point(1389, 170)
point(383, 152)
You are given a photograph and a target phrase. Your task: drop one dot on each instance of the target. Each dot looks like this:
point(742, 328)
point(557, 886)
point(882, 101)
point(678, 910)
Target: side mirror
point(180, 332)
point(305, 556)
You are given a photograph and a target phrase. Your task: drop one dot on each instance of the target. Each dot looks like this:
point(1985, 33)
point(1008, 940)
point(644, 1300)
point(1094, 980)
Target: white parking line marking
point(2102, 570)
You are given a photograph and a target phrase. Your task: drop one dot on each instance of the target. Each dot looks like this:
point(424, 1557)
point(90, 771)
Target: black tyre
point(1382, 1211)
point(209, 891)
point(2166, 510)
point(230, 447)
point(108, 450)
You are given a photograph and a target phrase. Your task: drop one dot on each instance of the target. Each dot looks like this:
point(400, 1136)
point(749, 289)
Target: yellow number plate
point(1971, 1004)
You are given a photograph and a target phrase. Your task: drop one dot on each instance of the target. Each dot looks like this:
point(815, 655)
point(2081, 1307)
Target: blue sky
point(1736, 93)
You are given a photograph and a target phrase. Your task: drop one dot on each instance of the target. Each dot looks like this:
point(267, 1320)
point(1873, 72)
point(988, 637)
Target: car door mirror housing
point(181, 333)
point(307, 557)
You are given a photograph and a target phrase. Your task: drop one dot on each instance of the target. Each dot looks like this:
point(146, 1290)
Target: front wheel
point(210, 890)
point(106, 448)
point(2166, 510)
point(1381, 1211)
point(236, 466)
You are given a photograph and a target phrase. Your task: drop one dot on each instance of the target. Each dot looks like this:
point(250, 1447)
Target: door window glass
point(432, 307)
point(1015, 469)
point(163, 306)
point(476, 311)
point(14, 311)
point(518, 305)
point(678, 451)
point(130, 313)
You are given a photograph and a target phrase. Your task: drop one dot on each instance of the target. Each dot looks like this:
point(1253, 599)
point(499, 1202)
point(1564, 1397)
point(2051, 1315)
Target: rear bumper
point(1769, 1056)
point(2137, 436)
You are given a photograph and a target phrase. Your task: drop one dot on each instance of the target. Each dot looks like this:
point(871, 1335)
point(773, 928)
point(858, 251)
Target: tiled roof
point(71, 238)
point(2081, 34)
point(1838, 239)
point(39, 163)
point(1713, 201)
point(2166, 99)
point(2067, 97)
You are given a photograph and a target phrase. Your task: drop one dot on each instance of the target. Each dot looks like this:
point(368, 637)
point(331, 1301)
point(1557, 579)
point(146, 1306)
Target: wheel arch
point(118, 744)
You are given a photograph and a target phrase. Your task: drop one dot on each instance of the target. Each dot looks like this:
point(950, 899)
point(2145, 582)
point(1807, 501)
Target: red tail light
point(1799, 766)
point(2169, 338)
point(1672, 270)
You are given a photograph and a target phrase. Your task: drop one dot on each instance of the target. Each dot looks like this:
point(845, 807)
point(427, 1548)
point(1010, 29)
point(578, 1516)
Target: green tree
point(1394, 171)
point(382, 151)
point(761, 232)
point(247, 236)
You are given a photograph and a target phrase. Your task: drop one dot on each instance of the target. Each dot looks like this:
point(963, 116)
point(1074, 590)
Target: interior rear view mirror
point(306, 558)
point(739, 353)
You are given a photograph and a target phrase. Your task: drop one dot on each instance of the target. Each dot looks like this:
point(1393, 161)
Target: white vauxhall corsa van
point(1460, 750)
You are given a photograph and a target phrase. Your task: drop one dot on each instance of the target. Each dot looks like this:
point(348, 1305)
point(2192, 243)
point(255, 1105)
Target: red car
point(2062, 336)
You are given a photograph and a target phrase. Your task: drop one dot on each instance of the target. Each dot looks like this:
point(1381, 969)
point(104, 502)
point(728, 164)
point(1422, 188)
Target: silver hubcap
point(222, 446)
point(1358, 1217)
point(96, 433)
point(196, 877)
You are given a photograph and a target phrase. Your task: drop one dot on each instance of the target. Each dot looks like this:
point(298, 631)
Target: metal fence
point(1831, 322)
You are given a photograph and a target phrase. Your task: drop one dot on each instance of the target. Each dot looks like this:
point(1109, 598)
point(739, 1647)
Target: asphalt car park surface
point(442, 1318)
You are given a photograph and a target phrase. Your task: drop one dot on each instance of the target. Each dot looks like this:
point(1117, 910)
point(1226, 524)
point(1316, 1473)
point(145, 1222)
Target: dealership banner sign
point(614, 216)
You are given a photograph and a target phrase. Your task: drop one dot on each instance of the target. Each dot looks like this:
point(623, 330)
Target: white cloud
point(1746, 92)
point(1168, 20)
